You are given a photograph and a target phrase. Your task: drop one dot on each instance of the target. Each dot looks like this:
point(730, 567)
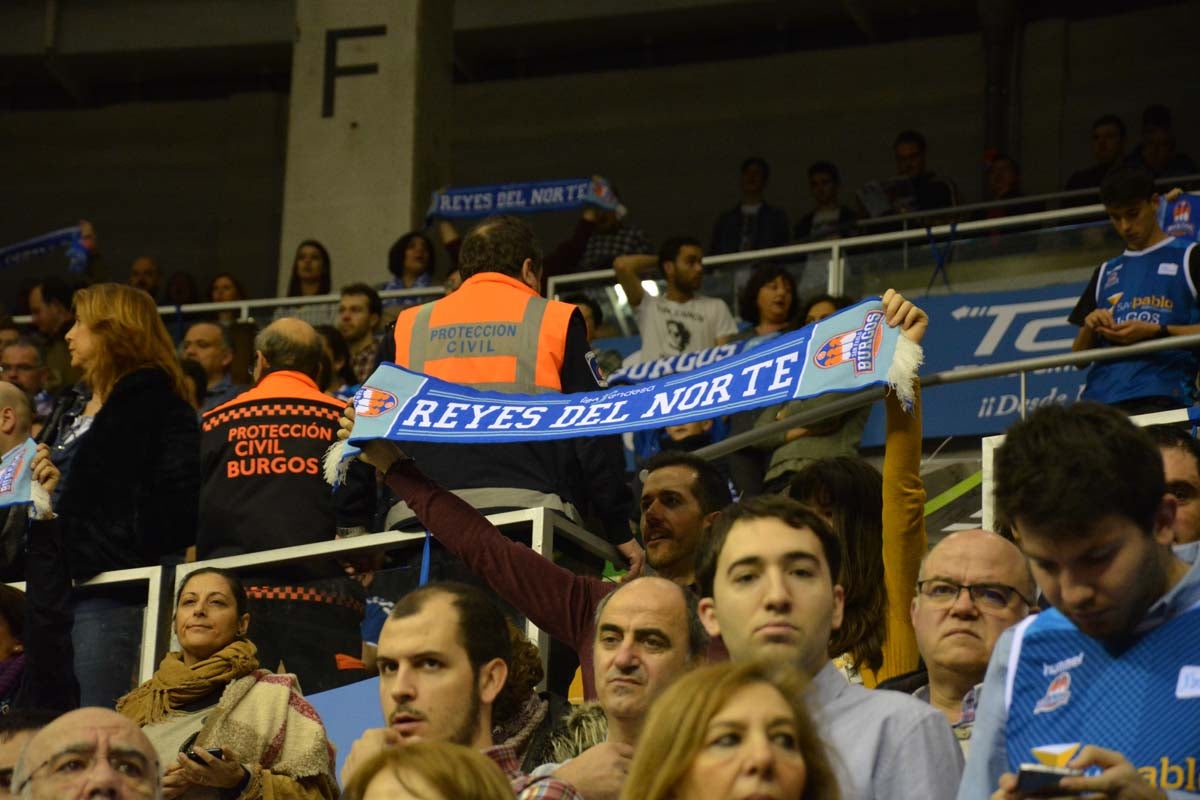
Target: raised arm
point(904, 540)
point(555, 599)
point(629, 271)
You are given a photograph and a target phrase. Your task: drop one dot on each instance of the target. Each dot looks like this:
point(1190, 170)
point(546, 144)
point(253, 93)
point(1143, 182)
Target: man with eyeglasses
point(91, 752)
point(24, 363)
point(1181, 467)
point(973, 586)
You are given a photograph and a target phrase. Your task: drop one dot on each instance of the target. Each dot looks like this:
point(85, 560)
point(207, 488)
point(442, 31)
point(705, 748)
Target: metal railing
point(917, 217)
point(990, 444)
point(836, 248)
point(1020, 368)
point(543, 524)
point(244, 308)
point(151, 619)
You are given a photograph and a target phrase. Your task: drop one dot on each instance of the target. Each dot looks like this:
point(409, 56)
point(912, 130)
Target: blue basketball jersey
point(1066, 689)
point(1152, 285)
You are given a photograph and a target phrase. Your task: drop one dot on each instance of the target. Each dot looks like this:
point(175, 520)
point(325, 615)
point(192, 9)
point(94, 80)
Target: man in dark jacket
point(264, 489)
point(752, 224)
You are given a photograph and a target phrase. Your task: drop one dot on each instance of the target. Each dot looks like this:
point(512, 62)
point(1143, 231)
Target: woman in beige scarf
point(212, 696)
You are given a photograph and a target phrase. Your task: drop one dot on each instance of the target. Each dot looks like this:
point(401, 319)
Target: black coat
point(133, 489)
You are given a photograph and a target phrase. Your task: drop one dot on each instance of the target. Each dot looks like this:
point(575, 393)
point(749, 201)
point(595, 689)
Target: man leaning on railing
point(1147, 292)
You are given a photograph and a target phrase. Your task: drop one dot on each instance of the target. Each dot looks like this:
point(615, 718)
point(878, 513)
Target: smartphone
point(1038, 780)
point(215, 752)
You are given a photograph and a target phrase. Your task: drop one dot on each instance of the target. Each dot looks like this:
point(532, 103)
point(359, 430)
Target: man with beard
point(443, 659)
point(681, 495)
point(683, 320)
point(1107, 679)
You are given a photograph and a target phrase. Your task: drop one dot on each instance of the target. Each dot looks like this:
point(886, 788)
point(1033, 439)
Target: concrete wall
point(201, 183)
point(197, 184)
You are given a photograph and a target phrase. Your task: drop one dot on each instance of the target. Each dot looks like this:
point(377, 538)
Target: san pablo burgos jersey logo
point(372, 402)
point(858, 347)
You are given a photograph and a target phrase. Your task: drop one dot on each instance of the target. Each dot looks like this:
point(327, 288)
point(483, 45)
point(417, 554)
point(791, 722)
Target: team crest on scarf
point(372, 402)
point(858, 347)
point(8, 476)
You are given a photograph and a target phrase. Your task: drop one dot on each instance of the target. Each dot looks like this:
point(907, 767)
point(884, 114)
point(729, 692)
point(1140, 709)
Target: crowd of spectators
point(794, 635)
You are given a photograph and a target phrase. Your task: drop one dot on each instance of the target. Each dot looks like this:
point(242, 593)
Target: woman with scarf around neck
point(211, 695)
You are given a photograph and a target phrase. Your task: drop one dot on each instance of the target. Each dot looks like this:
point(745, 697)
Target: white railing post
point(837, 273)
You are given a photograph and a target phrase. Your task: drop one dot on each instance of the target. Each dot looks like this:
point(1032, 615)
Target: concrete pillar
point(367, 128)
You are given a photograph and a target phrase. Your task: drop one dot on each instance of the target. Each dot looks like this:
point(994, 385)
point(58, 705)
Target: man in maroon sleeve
point(680, 496)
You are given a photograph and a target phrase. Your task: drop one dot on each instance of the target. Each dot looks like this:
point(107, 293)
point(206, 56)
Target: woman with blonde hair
point(731, 731)
point(429, 771)
point(130, 496)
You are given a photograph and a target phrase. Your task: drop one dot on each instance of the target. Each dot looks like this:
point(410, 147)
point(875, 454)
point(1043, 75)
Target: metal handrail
point(867, 396)
point(243, 306)
point(1012, 201)
point(837, 246)
point(153, 577)
point(543, 522)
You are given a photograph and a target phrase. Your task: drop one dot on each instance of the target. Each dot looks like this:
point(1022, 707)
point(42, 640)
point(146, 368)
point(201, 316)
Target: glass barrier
point(981, 261)
point(310, 617)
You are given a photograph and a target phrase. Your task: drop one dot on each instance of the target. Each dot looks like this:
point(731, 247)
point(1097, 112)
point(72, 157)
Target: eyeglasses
point(992, 596)
point(72, 766)
point(9, 368)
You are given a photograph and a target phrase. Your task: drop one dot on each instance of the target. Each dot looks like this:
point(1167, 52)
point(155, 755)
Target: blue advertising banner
point(969, 330)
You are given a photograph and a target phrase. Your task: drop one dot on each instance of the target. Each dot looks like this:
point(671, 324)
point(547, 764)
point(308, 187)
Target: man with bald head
point(973, 586)
point(263, 488)
point(648, 633)
point(90, 752)
point(208, 344)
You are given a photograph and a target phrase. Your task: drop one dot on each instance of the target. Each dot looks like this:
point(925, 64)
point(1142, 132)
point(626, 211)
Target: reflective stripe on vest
point(516, 348)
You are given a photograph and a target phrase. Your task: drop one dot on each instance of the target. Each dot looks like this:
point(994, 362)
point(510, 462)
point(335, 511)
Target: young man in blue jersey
point(1108, 680)
point(1147, 292)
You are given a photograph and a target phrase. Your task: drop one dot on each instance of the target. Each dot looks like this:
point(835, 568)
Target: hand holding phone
point(215, 752)
point(1038, 780)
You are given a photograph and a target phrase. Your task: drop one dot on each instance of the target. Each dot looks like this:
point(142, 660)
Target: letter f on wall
point(333, 71)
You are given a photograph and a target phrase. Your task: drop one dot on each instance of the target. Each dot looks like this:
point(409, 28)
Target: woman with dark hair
point(226, 288)
point(311, 276)
point(412, 261)
point(770, 464)
point(221, 726)
point(337, 373)
point(731, 730)
point(880, 520)
point(768, 301)
point(130, 498)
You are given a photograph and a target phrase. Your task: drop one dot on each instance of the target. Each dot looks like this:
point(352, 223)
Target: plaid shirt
point(525, 787)
point(962, 728)
point(602, 248)
point(363, 362)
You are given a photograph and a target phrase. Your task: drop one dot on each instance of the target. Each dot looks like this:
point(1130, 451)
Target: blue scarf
point(847, 352)
point(63, 237)
point(521, 198)
point(16, 478)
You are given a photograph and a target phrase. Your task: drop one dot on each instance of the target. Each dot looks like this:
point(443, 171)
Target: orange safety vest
point(494, 333)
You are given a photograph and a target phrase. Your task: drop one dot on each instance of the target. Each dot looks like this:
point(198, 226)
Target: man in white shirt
point(683, 320)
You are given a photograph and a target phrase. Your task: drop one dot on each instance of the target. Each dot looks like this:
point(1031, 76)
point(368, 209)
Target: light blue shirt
point(989, 754)
point(884, 745)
